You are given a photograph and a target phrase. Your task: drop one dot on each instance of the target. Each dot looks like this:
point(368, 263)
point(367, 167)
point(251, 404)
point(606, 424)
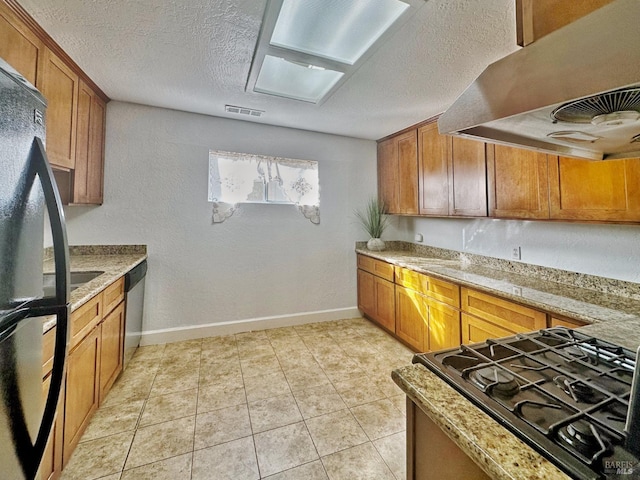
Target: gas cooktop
point(564, 393)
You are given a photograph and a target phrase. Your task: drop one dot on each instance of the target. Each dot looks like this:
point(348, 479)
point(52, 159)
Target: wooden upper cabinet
point(398, 173)
point(433, 166)
point(89, 164)
point(19, 46)
point(518, 183)
point(537, 18)
point(591, 190)
point(467, 178)
point(59, 85)
point(388, 175)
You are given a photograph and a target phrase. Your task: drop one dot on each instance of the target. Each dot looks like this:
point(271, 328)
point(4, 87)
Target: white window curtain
point(236, 178)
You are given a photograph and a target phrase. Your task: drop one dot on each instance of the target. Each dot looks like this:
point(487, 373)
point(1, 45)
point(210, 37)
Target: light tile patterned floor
point(312, 402)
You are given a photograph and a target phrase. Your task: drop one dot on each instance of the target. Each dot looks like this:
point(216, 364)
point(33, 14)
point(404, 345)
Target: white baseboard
point(168, 335)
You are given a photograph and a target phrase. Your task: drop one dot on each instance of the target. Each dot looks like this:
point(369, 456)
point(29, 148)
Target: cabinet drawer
point(445, 292)
point(566, 322)
point(504, 313)
point(84, 319)
point(476, 330)
point(48, 346)
point(413, 280)
point(377, 267)
point(113, 295)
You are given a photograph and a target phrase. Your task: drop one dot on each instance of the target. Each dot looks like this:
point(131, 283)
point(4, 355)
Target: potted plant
point(374, 220)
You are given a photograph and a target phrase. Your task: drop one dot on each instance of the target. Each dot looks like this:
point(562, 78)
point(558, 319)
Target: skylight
point(308, 48)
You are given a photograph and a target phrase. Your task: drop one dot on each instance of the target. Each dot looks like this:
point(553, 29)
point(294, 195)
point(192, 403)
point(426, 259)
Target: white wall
point(266, 260)
point(596, 249)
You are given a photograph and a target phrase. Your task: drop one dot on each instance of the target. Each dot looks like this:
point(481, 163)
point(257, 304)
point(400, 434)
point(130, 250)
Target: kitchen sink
point(76, 279)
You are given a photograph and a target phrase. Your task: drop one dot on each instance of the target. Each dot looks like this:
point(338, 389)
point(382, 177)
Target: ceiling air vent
point(621, 103)
point(243, 111)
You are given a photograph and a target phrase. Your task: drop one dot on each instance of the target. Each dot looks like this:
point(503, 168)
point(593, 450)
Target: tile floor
point(308, 402)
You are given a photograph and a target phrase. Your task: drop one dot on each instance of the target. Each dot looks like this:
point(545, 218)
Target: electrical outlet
point(516, 253)
point(517, 291)
point(417, 237)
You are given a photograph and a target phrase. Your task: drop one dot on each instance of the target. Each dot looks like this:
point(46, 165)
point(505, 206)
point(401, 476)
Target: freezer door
point(20, 408)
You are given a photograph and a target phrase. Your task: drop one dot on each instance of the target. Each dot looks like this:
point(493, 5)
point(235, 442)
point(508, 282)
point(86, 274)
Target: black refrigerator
point(27, 190)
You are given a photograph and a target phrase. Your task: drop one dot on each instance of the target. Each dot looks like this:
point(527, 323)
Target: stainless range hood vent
point(574, 92)
point(586, 109)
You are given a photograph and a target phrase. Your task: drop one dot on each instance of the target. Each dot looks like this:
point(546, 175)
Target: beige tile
point(385, 384)
point(179, 360)
point(344, 373)
point(169, 407)
point(255, 350)
point(379, 419)
point(148, 351)
point(273, 412)
point(319, 401)
point(293, 359)
point(335, 431)
point(115, 476)
point(265, 386)
point(260, 365)
point(357, 463)
point(230, 461)
point(211, 343)
point(131, 386)
point(220, 372)
point(393, 450)
point(284, 332)
point(161, 441)
point(305, 378)
point(174, 381)
point(184, 347)
point(284, 448)
point(221, 395)
point(173, 468)
point(358, 391)
point(111, 420)
point(98, 458)
point(308, 471)
point(255, 336)
point(400, 402)
point(220, 426)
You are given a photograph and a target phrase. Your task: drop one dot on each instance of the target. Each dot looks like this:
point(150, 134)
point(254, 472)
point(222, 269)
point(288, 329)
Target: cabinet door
point(411, 318)
point(444, 326)
point(82, 390)
point(566, 322)
point(388, 175)
point(59, 85)
point(20, 47)
point(111, 349)
point(518, 183)
point(587, 190)
point(385, 304)
point(89, 163)
point(51, 465)
point(467, 178)
point(477, 330)
point(366, 293)
point(407, 148)
point(433, 174)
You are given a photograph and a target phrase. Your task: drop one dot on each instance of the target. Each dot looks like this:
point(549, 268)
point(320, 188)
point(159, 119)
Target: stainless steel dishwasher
point(134, 290)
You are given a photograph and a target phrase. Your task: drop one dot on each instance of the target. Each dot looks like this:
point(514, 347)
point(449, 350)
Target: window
point(236, 178)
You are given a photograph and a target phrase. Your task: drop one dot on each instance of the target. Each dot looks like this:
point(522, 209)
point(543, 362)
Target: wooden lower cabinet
point(477, 330)
point(565, 322)
point(82, 390)
point(444, 326)
point(432, 455)
point(51, 465)
point(412, 318)
point(376, 298)
point(111, 349)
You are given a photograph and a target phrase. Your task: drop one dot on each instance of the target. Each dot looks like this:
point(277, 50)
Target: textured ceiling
point(195, 55)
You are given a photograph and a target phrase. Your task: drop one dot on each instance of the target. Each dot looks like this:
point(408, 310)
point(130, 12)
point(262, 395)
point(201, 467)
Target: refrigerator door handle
point(61, 307)
point(56, 218)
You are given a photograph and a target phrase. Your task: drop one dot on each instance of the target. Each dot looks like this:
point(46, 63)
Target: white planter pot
point(375, 244)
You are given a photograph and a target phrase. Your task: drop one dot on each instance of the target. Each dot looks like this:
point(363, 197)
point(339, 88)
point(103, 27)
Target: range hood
point(574, 92)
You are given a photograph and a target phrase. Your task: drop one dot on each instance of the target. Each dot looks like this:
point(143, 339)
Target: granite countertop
point(113, 260)
point(496, 450)
point(611, 309)
point(589, 305)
